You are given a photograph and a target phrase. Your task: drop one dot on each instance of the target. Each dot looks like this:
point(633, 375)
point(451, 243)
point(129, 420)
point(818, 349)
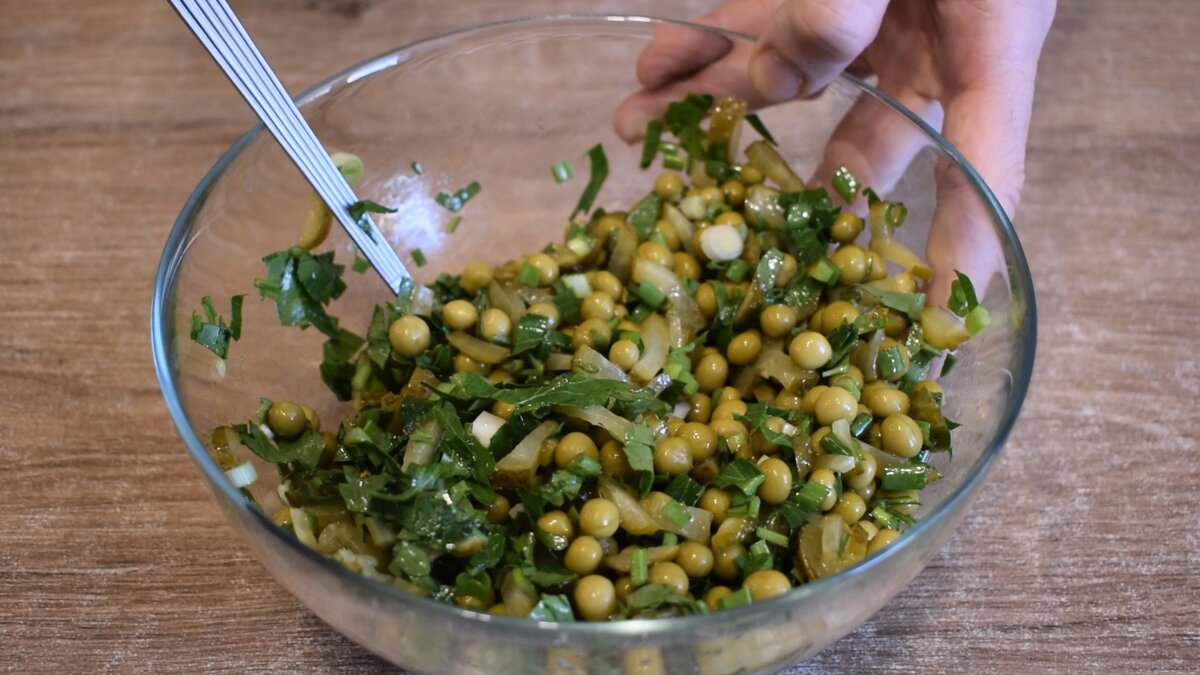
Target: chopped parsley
point(599, 173)
point(212, 332)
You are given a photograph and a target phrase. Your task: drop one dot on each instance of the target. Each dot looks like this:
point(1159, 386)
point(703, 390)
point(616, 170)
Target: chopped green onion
point(811, 494)
point(771, 537)
point(651, 141)
point(948, 365)
point(846, 382)
point(418, 257)
point(674, 162)
point(639, 567)
point(761, 128)
point(890, 363)
point(644, 214)
point(455, 202)
point(581, 245)
point(670, 539)
point(529, 275)
point(826, 272)
point(845, 184)
point(599, 170)
point(737, 271)
point(836, 446)
point(650, 295)
point(895, 213)
point(860, 424)
point(736, 599)
point(684, 490)
point(676, 513)
point(453, 224)
point(977, 319)
point(962, 295)
point(740, 473)
point(903, 478)
point(562, 171)
point(753, 506)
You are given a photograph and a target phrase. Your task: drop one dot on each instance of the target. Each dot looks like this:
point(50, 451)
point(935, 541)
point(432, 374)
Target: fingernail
point(773, 77)
point(631, 125)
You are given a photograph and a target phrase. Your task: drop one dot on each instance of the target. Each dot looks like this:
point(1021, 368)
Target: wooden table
point(1082, 553)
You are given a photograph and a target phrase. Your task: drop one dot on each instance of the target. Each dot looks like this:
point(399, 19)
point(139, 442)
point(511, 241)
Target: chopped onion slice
point(506, 300)
point(597, 416)
point(634, 519)
point(763, 203)
point(420, 452)
point(767, 159)
point(683, 227)
point(485, 427)
point(623, 561)
point(655, 342)
point(683, 314)
point(597, 365)
point(242, 475)
point(559, 361)
point(943, 330)
point(518, 467)
point(479, 350)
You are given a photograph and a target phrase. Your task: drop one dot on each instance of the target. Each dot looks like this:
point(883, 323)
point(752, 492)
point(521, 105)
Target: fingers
point(726, 77)
point(875, 143)
point(677, 51)
point(681, 60)
point(808, 42)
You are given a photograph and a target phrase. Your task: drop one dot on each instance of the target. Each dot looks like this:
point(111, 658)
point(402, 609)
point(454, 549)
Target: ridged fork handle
point(219, 30)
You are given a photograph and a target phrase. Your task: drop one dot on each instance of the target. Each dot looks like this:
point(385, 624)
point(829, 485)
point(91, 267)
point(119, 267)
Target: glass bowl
point(500, 104)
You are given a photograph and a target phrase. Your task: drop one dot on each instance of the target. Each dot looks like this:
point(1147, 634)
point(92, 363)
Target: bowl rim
point(161, 320)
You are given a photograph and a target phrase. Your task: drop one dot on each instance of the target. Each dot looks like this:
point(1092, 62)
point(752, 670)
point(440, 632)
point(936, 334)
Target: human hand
point(965, 66)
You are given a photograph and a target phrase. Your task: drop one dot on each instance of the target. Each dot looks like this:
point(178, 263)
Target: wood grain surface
point(1081, 554)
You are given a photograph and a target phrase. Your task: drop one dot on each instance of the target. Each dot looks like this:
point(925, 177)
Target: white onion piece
point(485, 427)
point(506, 301)
point(835, 463)
point(655, 342)
point(597, 416)
point(634, 518)
point(559, 361)
point(420, 452)
point(683, 227)
point(599, 366)
point(242, 475)
point(623, 561)
point(520, 464)
point(763, 204)
point(302, 528)
point(579, 284)
point(683, 314)
point(479, 350)
point(698, 528)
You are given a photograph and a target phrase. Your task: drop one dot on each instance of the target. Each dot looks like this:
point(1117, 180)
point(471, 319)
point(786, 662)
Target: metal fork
point(219, 30)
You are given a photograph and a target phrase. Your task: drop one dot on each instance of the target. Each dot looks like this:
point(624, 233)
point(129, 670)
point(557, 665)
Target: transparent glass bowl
point(500, 104)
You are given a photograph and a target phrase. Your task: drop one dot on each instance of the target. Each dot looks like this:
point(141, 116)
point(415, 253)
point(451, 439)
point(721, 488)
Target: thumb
point(808, 42)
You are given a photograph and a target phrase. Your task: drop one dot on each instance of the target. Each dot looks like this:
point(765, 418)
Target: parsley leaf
point(213, 334)
point(639, 447)
point(740, 473)
point(552, 608)
point(644, 215)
